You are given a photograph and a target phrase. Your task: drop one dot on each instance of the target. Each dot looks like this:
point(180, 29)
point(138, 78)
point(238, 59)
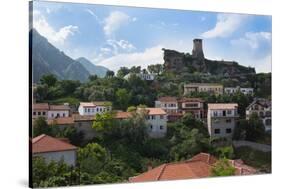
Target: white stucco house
point(53, 149)
point(233, 90)
point(262, 107)
point(50, 111)
point(156, 119)
point(143, 76)
point(221, 119)
point(167, 103)
point(93, 108)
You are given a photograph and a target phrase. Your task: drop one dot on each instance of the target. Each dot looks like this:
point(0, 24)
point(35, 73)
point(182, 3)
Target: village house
point(194, 106)
point(93, 108)
point(54, 149)
point(167, 103)
point(221, 119)
point(50, 111)
point(233, 90)
point(199, 166)
point(143, 76)
point(262, 107)
point(156, 119)
point(211, 88)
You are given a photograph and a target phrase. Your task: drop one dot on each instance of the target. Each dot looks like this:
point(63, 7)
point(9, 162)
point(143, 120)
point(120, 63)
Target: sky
point(115, 36)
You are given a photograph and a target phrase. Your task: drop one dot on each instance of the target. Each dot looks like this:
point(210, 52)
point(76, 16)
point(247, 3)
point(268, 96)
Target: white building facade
point(156, 119)
point(221, 119)
point(262, 107)
point(233, 90)
point(93, 108)
point(168, 104)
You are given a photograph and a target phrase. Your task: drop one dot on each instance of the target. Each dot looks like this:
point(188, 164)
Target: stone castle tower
point(197, 51)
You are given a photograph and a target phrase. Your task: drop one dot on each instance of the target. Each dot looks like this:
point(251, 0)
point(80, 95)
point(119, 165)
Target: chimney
point(197, 51)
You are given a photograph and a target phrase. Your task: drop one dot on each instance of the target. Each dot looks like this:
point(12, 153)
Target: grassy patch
point(70, 100)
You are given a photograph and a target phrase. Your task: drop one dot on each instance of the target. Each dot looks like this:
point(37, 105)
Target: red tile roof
point(154, 111)
point(45, 143)
point(219, 106)
point(123, 115)
point(61, 121)
point(40, 106)
point(175, 171)
point(198, 166)
point(191, 100)
point(59, 107)
point(167, 99)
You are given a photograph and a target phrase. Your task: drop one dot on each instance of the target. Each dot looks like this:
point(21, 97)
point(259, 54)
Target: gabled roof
point(59, 107)
point(45, 143)
point(199, 166)
point(191, 100)
point(40, 106)
point(260, 101)
point(94, 104)
point(222, 106)
point(123, 115)
point(87, 104)
point(154, 111)
point(167, 99)
point(61, 121)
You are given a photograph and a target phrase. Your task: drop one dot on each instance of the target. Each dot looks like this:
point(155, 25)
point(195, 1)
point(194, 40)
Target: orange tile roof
point(123, 115)
point(61, 121)
point(191, 100)
point(175, 171)
point(87, 104)
point(167, 99)
point(45, 143)
point(218, 106)
point(155, 111)
point(199, 166)
point(40, 106)
point(59, 107)
point(78, 117)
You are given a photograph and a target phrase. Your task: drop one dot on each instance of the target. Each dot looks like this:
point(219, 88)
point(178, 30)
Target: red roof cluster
point(197, 167)
point(45, 143)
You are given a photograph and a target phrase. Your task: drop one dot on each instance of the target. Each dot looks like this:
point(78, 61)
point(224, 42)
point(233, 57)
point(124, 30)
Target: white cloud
point(149, 56)
point(253, 40)
point(225, 26)
point(115, 20)
point(57, 37)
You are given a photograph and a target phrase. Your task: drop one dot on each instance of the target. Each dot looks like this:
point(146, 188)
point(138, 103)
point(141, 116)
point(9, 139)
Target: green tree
point(40, 126)
point(109, 73)
point(103, 121)
point(123, 98)
point(131, 109)
point(222, 168)
point(157, 68)
point(122, 72)
point(50, 80)
point(93, 77)
point(92, 158)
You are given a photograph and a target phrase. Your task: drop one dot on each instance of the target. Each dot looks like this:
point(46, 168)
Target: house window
point(223, 113)
point(34, 113)
point(44, 113)
point(39, 113)
point(256, 107)
point(229, 112)
point(58, 115)
point(268, 122)
point(217, 131)
point(63, 115)
point(261, 114)
point(268, 113)
point(228, 130)
point(161, 117)
point(52, 115)
point(152, 117)
point(215, 114)
point(161, 127)
point(228, 120)
point(151, 127)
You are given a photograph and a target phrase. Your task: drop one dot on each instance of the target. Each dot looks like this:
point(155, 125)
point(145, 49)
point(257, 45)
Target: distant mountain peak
point(100, 71)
